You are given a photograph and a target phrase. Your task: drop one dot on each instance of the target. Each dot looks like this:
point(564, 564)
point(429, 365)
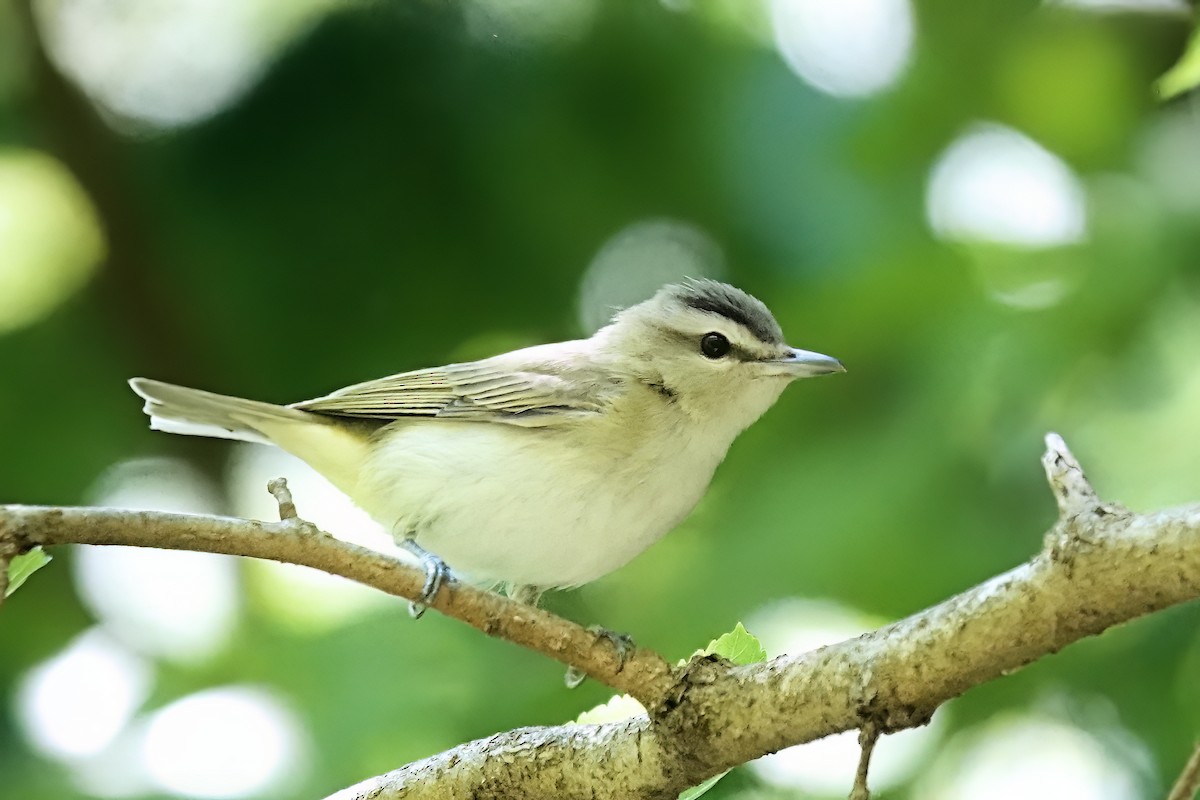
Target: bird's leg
point(436, 573)
point(623, 643)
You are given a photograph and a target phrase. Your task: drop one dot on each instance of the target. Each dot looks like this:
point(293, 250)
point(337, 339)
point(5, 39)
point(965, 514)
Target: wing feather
point(507, 389)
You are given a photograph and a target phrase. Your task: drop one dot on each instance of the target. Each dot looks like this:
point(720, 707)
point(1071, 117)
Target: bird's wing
point(493, 390)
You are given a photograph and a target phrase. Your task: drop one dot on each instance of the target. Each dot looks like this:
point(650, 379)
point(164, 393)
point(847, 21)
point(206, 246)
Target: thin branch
point(868, 735)
point(643, 674)
point(1070, 486)
point(1189, 780)
point(283, 498)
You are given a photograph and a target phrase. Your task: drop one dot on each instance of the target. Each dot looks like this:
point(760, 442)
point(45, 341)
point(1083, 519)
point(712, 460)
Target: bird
point(543, 468)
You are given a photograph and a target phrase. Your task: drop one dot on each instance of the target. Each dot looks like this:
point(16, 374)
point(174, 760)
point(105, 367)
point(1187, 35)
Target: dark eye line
point(742, 354)
point(736, 351)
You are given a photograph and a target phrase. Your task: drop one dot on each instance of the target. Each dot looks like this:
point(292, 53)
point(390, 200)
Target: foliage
point(1185, 74)
point(396, 185)
point(24, 565)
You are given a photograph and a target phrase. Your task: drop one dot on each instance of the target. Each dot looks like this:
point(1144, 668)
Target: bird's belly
point(527, 506)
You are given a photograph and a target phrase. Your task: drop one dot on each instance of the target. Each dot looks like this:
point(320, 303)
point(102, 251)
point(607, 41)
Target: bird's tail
point(178, 409)
point(332, 447)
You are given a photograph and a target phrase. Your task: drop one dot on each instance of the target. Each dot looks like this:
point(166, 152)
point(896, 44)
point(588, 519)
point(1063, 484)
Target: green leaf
point(24, 565)
point(739, 646)
point(1185, 75)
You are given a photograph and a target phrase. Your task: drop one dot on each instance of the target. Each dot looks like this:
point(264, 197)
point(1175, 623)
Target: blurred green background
point(985, 210)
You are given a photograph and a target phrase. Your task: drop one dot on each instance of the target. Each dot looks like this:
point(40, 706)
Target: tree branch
point(8, 550)
point(1100, 565)
point(643, 674)
point(868, 735)
point(1188, 783)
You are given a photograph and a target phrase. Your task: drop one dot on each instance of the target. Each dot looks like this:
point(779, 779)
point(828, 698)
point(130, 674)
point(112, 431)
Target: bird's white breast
point(551, 507)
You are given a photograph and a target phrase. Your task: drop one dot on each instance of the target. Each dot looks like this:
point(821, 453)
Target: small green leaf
point(24, 565)
point(1185, 75)
point(739, 646)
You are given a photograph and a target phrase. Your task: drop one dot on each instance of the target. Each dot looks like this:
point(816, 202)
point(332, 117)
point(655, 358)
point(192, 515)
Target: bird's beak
point(803, 364)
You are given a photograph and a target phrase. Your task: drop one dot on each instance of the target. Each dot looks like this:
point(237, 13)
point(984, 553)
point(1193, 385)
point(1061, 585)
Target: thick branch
point(1101, 565)
point(601, 761)
point(644, 674)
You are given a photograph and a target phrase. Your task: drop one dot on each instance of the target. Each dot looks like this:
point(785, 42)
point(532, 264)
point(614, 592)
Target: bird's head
point(712, 348)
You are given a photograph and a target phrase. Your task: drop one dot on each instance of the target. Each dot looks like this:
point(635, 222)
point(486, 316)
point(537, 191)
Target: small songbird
point(542, 468)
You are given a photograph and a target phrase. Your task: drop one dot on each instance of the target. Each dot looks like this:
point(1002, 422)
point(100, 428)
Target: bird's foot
point(436, 573)
point(623, 643)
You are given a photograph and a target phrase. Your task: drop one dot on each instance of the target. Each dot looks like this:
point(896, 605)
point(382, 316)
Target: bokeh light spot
point(154, 66)
point(304, 599)
point(168, 603)
point(996, 185)
point(826, 766)
point(308, 600)
point(50, 238)
point(319, 501)
point(641, 259)
point(1019, 211)
point(75, 704)
point(228, 742)
point(850, 48)
point(1032, 758)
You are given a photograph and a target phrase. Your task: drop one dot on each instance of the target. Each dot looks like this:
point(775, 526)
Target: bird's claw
point(623, 643)
point(574, 677)
point(436, 574)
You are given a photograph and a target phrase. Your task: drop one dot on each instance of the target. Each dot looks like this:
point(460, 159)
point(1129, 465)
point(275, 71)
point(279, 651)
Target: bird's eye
point(714, 345)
